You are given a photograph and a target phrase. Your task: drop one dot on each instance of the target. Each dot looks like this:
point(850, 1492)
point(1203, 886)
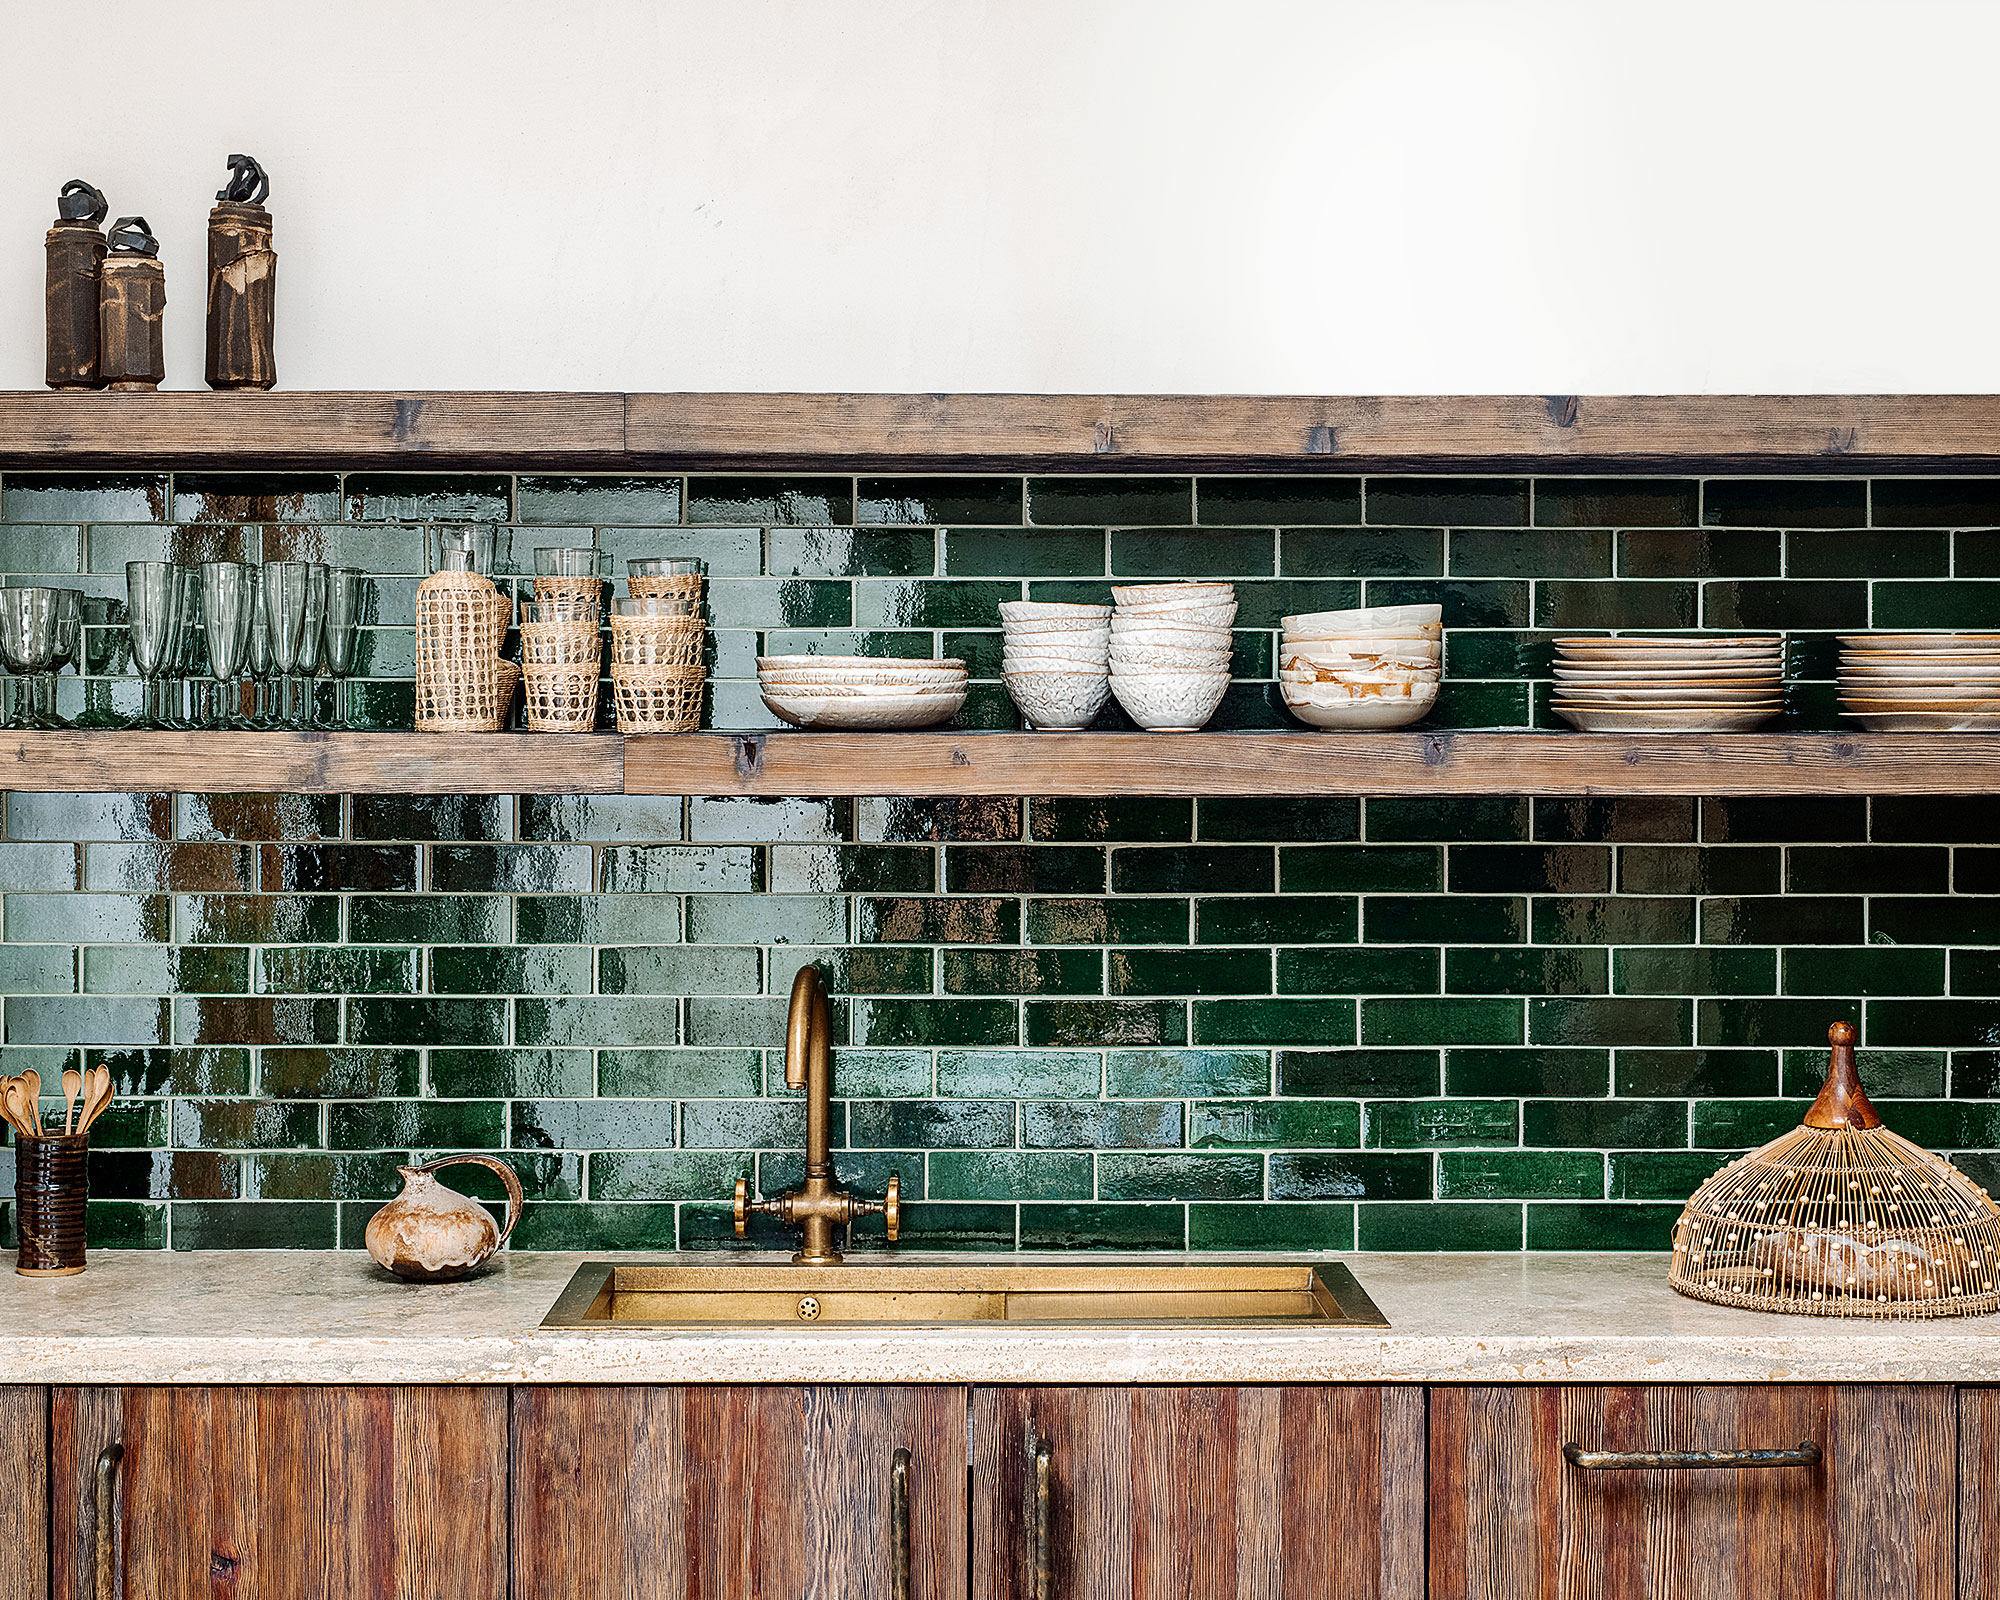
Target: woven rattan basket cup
point(561, 644)
point(676, 642)
point(462, 685)
point(559, 699)
point(1841, 1218)
point(658, 699)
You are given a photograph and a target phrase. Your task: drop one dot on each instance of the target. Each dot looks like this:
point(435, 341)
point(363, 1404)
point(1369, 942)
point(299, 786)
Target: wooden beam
point(1107, 433)
point(1111, 764)
point(84, 762)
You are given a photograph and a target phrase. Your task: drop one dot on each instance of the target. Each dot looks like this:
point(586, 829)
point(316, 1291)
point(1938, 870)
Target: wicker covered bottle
point(242, 282)
point(75, 249)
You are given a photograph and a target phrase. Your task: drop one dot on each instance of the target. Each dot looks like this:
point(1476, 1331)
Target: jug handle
point(515, 1199)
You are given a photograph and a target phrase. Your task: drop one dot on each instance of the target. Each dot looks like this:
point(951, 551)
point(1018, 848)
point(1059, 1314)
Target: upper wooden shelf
point(1316, 433)
point(952, 764)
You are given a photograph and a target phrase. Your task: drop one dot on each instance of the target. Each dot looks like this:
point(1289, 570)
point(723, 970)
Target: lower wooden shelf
point(948, 764)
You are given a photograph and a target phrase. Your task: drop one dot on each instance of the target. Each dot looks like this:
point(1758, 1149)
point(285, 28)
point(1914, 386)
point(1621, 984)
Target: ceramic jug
point(429, 1233)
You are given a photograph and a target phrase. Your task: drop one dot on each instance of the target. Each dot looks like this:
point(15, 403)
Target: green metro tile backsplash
point(1278, 1023)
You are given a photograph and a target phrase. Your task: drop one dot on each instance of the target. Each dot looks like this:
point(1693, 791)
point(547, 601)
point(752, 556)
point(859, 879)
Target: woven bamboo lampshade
point(1841, 1218)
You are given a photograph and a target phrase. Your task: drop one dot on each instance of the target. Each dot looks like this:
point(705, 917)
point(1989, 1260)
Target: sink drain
point(808, 1308)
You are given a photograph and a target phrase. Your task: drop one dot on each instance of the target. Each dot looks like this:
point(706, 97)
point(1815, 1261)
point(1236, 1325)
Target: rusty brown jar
point(49, 1193)
point(429, 1233)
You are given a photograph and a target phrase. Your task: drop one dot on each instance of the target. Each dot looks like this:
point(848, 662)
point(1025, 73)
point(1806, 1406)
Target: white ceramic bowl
point(1058, 700)
point(1371, 618)
point(1222, 605)
point(1065, 649)
point(1146, 594)
point(1325, 706)
point(1166, 658)
point(1051, 611)
point(1170, 702)
point(864, 713)
point(1070, 631)
point(1169, 633)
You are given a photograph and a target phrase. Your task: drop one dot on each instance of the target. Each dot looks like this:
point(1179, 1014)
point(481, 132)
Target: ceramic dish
point(1918, 641)
point(1365, 618)
point(1176, 616)
point(1152, 594)
point(794, 690)
point(1678, 695)
point(1919, 691)
point(1058, 701)
point(1058, 651)
point(1667, 719)
point(1199, 638)
point(864, 713)
point(1169, 658)
point(1925, 721)
point(1050, 611)
point(1664, 674)
point(1360, 711)
point(1170, 702)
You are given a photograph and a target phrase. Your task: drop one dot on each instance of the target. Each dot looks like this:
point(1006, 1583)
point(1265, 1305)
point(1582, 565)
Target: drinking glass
point(69, 643)
point(285, 586)
point(312, 642)
point(189, 648)
point(459, 549)
point(566, 561)
point(653, 605)
point(257, 658)
point(28, 647)
point(666, 567)
point(225, 605)
point(346, 592)
point(152, 611)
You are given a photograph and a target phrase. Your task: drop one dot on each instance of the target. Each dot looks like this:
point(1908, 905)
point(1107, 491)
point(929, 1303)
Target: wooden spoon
point(96, 1096)
point(14, 1094)
point(31, 1092)
point(72, 1093)
point(7, 1088)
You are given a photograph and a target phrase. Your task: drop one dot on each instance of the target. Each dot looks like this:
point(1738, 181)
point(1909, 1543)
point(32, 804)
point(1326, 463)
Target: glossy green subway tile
point(770, 501)
point(1795, 919)
point(1911, 1022)
point(1095, 921)
point(1101, 1125)
point(1019, 552)
point(930, 1124)
point(1299, 1226)
point(428, 919)
point(1660, 1174)
point(1444, 919)
point(47, 968)
point(1531, 553)
point(1010, 1175)
point(336, 969)
point(1614, 920)
point(1653, 1124)
point(1936, 605)
point(1266, 603)
point(740, 820)
point(1274, 1022)
point(89, 918)
point(1862, 553)
point(45, 549)
point(1529, 869)
point(1018, 1074)
point(245, 1125)
point(586, 501)
point(1468, 602)
point(1602, 1226)
point(1172, 553)
point(1184, 869)
point(750, 1125)
point(83, 497)
point(654, 970)
point(1543, 1070)
point(257, 1020)
point(927, 603)
point(165, 969)
point(180, 1072)
point(1361, 552)
point(664, 1074)
point(116, 1225)
point(731, 552)
point(601, 818)
point(937, 1022)
point(1705, 553)
point(483, 970)
point(851, 869)
point(427, 1022)
point(1141, 1074)
point(580, 1020)
point(1372, 970)
point(1349, 1175)
point(1046, 971)
point(666, 1175)
point(1455, 1225)
point(1359, 869)
point(665, 868)
point(90, 1019)
point(959, 819)
point(1520, 1175)
point(1442, 1124)
point(1649, 604)
point(1189, 972)
point(532, 868)
point(1281, 1124)
point(258, 919)
point(1223, 501)
point(1277, 819)
point(1868, 970)
point(991, 501)
point(1790, 603)
point(1090, 820)
point(318, 1073)
point(47, 868)
point(732, 919)
point(1108, 500)
point(1770, 1022)
point(1824, 820)
point(1103, 1227)
point(1711, 969)
point(107, 548)
point(921, 919)
point(1369, 1073)
point(335, 867)
point(426, 497)
point(1455, 820)
point(1784, 503)
point(593, 1124)
point(1531, 971)
point(1935, 503)
point(1902, 1074)
point(1708, 1071)
point(417, 1125)
point(1482, 705)
point(1438, 1020)
point(1610, 1020)
point(1483, 502)
point(170, 868)
point(1616, 502)
point(164, 1175)
point(1671, 870)
point(608, 1225)
point(1264, 919)
point(253, 1225)
point(880, 969)
point(1024, 869)
point(1180, 1176)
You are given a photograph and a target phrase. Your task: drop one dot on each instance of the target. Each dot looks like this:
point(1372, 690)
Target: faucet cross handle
point(889, 1208)
point(745, 1206)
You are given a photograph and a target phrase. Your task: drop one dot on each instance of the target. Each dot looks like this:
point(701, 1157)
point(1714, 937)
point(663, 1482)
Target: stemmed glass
point(258, 657)
point(312, 642)
point(153, 614)
point(285, 586)
point(345, 593)
point(225, 606)
point(69, 642)
point(28, 646)
point(188, 650)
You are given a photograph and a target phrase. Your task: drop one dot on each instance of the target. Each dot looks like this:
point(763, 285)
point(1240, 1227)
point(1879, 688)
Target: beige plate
point(1637, 641)
point(1925, 721)
point(1982, 704)
point(1919, 641)
point(1679, 695)
point(1666, 719)
point(866, 713)
point(1944, 693)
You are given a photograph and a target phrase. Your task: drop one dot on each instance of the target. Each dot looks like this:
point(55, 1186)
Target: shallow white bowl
point(1369, 617)
point(1069, 632)
point(1321, 709)
point(864, 713)
point(1218, 616)
point(1170, 702)
point(1052, 611)
point(1058, 650)
point(1058, 701)
point(1148, 594)
point(1166, 658)
point(1310, 675)
point(1170, 633)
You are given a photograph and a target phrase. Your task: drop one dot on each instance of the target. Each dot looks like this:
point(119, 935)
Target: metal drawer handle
point(104, 1514)
point(1804, 1454)
point(899, 1525)
point(1044, 1586)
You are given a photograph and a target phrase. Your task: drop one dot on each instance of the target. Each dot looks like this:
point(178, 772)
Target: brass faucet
point(822, 1205)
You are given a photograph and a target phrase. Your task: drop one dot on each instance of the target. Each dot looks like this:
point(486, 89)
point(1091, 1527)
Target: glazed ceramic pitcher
point(429, 1233)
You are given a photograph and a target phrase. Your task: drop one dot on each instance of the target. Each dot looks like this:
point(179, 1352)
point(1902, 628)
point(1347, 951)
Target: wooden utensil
point(96, 1096)
point(8, 1088)
point(31, 1092)
point(72, 1093)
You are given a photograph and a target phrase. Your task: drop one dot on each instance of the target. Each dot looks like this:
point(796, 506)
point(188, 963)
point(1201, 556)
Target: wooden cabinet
point(1312, 1493)
point(1511, 1517)
point(728, 1493)
point(283, 1493)
point(24, 1493)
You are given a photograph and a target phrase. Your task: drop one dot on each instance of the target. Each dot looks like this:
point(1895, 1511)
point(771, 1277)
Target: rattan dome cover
point(1841, 1218)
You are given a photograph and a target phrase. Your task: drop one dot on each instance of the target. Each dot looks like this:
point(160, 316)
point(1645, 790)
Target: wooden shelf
point(949, 764)
point(1313, 433)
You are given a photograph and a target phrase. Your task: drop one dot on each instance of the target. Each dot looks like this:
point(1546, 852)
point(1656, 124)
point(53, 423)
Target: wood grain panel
point(24, 1493)
point(1979, 1494)
point(271, 1493)
point(716, 1492)
point(1310, 763)
point(1509, 1517)
point(72, 762)
point(1247, 1493)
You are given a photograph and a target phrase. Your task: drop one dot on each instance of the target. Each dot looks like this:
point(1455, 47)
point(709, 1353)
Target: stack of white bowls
point(1170, 650)
point(1378, 667)
point(861, 692)
point(1679, 685)
point(1921, 682)
point(1056, 661)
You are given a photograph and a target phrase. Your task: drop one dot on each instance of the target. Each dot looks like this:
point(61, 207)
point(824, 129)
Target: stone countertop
point(310, 1317)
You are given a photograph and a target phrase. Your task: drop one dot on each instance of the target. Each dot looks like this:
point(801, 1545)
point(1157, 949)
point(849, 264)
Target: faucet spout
point(821, 1205)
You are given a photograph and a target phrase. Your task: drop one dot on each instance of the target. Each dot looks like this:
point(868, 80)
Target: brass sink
point(606, 1294)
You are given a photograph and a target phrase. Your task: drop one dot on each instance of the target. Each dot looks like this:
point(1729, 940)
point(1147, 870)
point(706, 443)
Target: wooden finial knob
point(1841, 1033)
point(1842, 1103)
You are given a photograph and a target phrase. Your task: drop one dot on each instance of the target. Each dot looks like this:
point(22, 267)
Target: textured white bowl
point(1166, 658)
point(864, 713)
point(1052, 611)
point(1211, 611)
point(1053, 650)
point(1364, 617)
point(1320, 709)
point(1308, 676)
point(805, 688)
point(1066, 632)
point(1147, 594)
point(1169, 633)
point(1350, 652)
point(1169, 702)
point(1058, 701)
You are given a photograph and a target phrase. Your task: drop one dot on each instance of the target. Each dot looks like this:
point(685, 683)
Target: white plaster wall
point(1260, 195)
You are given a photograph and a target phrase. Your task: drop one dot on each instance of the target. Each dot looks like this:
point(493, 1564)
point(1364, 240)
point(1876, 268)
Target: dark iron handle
point(1044, 1543)
point(1804, 1454)
point(899, 1525)
point(104, 1585)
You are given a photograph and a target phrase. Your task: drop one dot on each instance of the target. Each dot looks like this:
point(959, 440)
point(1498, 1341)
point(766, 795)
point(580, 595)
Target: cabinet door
point(1511, 1517)
point(284, 1493)
point(710, 1492)
point(24, 1493)
point(1200, 1494)
point(1979, 1494)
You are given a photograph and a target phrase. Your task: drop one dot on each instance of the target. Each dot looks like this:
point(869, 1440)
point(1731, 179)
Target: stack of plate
point(1669, 685)
point(860, 692)
point(1921, 682)
point(1374, 668)
point(1170, 652)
